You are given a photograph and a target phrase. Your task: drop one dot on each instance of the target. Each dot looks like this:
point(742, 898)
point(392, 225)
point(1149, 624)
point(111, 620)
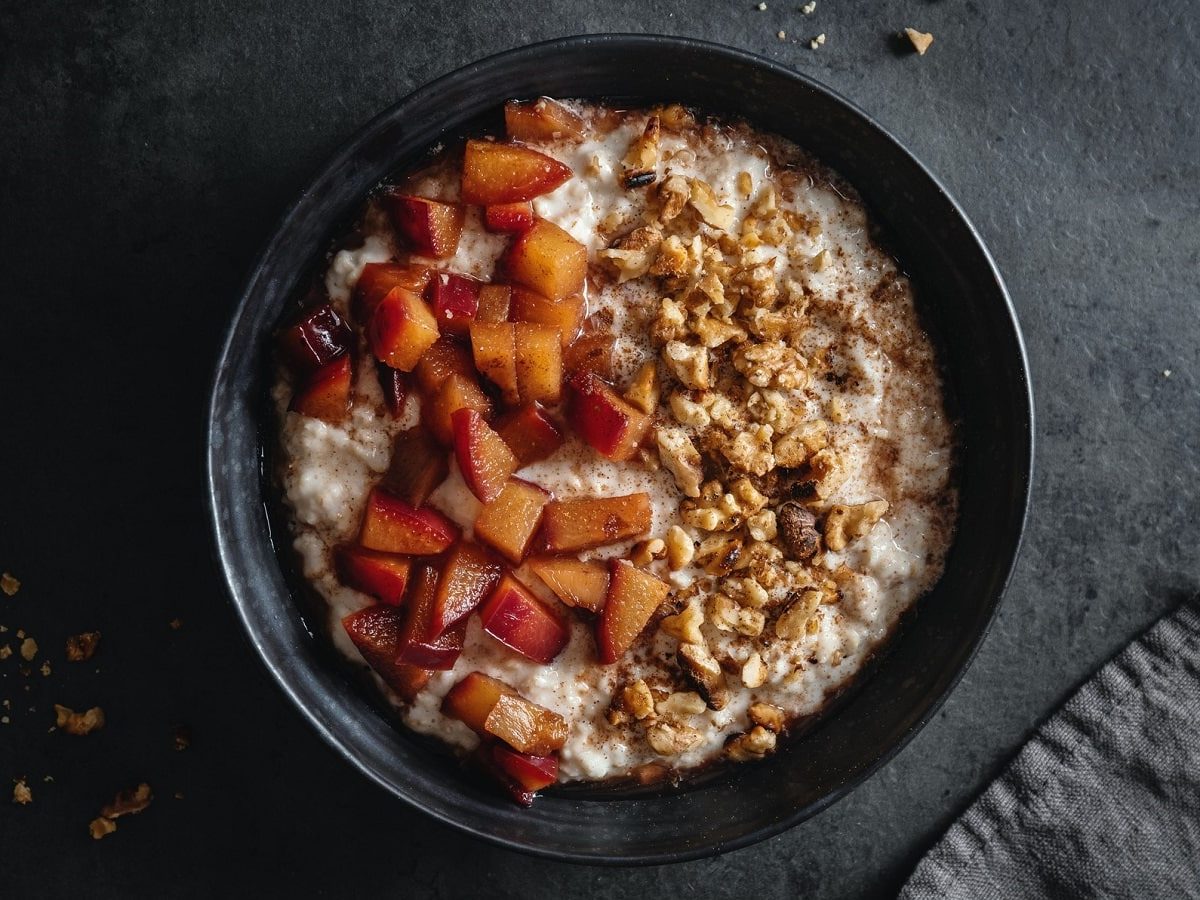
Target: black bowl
point(961, 296)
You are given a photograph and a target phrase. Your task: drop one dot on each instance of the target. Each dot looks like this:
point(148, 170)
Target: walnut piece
point(29, 649)
point(681, 705)
point(637, 700)
point(727, 615)
point(681, 458)
point(80, 647)
point(670, 740)
point(847, 523)
point(919, 39)
point(641, 162)
point(793, 624)
point(798, 527)
point(754, 744)
point(101, 827)
point(685, 625)
point(688, 363)
point(680, 548)
point(711, 210)
point(674, 193)
point(701, 669)
point(21, 792)
point(78, 723)
point(768, 716)
point(128, 803)
point(754, 671)
point(9, 584)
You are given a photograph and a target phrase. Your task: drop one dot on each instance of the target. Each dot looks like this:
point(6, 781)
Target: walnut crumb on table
point(126, 803)
point(80, 647)
point(919, 39)
point(29, 649)
point(78, 723)
point(809, 8)
point(21, 792)
point(9, 584)
point(818, 41)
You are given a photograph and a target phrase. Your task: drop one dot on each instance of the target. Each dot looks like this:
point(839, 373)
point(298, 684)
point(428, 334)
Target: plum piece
point(546, 259)
point(494, 347)
point(541, 120)
point(417, 467)
point(414, 646)
point(576, 582)
point(455, 301)
point(318, 338)
point(457, 392)
point(517, 619)
point(605, 420)
point(378, 279)
point(493, 303)
point(633, 596)
point(401, 329)
point(382, 575)
point(486, 764)
point(566, 314)
point(492, 708)
point(468, 573)
point(571, 525)
point(495, 173)
point(530, 433)
point(427, 226)
point(506, 217)
point(375, 631)
point(591, 352)
point(326, 393)
point(393, 526)
point(532, 773)
point(445, 357)
point(485, 461)
point(539, 362)
point(508, 524)
point(395, 388)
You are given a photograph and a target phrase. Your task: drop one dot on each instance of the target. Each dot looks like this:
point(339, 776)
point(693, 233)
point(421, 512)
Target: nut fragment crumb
point(182, 737)
point(99, 827)
point(79, 723)
point(21, 792)
point(668, 740)
point(754, 672)
point(176, 624)
point(782, 35)
point(45, 670)
point(5, 652)
point(128, 802)
point(29, 649)
point(818, 41)
point(919, 39)
point(80, 647)
point(754, 744)
point(9, 584)
point(768, 716)
point(637, 700)
point(809, 8)
point(762, 7)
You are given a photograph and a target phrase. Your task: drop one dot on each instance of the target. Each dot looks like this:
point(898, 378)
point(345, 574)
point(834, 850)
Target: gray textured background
point(145, 152)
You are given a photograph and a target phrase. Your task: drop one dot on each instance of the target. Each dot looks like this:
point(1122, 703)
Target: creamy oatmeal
point(676, 506)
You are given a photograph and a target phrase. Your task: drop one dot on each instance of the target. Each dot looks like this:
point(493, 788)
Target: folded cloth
point(1104, 801)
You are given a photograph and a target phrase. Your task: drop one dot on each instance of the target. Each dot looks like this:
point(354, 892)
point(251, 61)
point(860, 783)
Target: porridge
point(614, 447)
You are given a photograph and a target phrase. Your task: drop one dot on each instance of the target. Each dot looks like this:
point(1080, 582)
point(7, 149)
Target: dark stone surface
point(146, 151)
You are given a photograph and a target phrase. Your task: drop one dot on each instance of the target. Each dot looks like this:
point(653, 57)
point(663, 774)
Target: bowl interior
point(961, 297)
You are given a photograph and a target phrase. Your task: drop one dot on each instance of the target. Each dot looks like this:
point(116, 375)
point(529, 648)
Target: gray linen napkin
point(1104, 801)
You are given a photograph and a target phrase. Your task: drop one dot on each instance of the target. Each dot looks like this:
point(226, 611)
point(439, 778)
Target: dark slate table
point(146, 151)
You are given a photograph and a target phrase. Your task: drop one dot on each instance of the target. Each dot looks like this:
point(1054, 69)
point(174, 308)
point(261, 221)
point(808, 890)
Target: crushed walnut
point(21, 793)
point(77, 723)
point(9, 584)
point(126, 803)
point(80, 647)
point(921, 40)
